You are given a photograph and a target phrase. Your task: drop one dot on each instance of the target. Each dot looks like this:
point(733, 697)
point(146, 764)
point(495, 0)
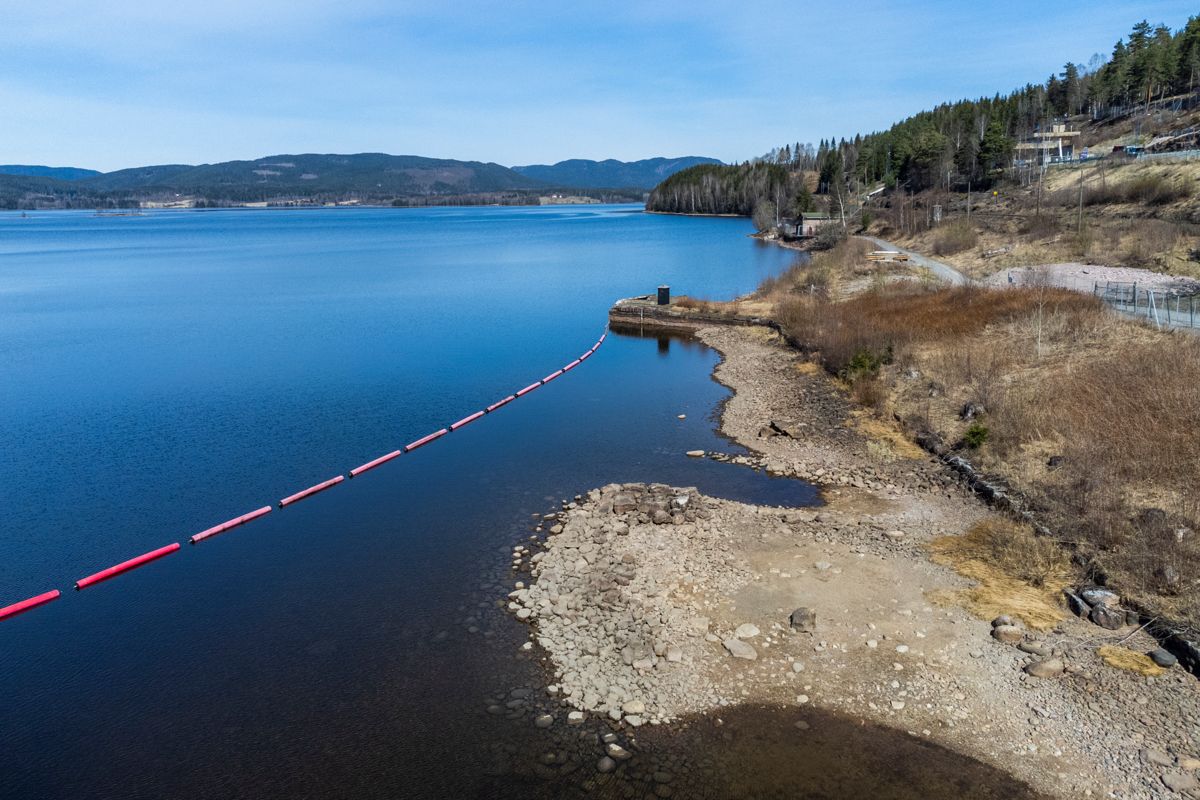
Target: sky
point(115, 84)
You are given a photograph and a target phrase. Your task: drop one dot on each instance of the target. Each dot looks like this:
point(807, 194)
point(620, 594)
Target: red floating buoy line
point(25, 605)
point(133, 563)
point(125, 566)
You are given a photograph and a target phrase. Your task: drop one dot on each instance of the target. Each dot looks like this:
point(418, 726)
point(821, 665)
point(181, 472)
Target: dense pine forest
point(969, 142)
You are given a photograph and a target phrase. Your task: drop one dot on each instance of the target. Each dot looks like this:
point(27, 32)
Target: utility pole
point(968, 201)
point(1041, 180)
point(1080, 226)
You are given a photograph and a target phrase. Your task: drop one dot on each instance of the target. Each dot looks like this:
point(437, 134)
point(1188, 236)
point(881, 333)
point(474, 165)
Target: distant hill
point(610, 174)
point(61, 173)
point(307, 175)
point(310, 178)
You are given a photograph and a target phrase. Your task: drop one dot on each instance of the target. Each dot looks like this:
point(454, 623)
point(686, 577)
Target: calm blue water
point(160, 374)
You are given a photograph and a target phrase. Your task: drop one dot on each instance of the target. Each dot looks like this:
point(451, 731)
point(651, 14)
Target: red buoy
point(125, 566)
point(354, 473)
point(25, 605)
point(466, 420)
point(572, 365)
point(233, 523)
point(528, 389)
point(320, 487)
point(552, 376)
point(503, 402)
point(424, 440)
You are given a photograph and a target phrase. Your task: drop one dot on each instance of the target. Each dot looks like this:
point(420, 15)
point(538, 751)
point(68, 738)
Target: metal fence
point(1165, 308)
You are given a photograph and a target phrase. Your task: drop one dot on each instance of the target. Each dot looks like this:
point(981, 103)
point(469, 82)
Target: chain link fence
point(1165, 308)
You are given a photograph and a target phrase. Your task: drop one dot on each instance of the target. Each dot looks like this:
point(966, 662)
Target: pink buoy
point(552, 376)
point(528, 389)
point(466, 420)
point(572, 365)
point(233, 523)
point(125, 566)
point(310, 491)
point(25, 605)
point(585, 355)
point(354, 473)
point(503, 402)
point(424, 440)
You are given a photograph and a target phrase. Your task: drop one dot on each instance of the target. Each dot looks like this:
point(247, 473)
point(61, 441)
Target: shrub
point(1148, 188)
point(1149, 239)
point(955, 238)
point(828, 237)
point(976, 435)
point(1041, 227)
point(866, 363)
point(764, 216)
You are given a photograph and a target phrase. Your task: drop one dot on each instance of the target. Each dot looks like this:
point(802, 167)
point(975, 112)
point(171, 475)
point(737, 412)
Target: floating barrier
point(133, 563)
point(233, 523)
point(424, 440)
point(125, 566)
point(354, 473)
point(503, 402)
point(310, 491)
point(25, 605)
point(466, 420)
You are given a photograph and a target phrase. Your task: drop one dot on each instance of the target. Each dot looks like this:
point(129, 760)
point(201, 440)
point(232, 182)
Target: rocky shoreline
point(654, 603)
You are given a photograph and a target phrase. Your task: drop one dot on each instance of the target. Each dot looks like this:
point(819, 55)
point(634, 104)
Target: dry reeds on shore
point(1090, 415)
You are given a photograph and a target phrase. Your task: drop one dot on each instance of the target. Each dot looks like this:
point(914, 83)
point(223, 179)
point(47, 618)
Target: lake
point(165, 372)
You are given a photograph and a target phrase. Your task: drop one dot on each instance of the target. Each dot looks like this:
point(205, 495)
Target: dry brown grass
point(701, 306)
point(955, 238)
point(1056, 374)
point(1015, 573)
point(1122, 658)
point(880, 322)
point(821, 273)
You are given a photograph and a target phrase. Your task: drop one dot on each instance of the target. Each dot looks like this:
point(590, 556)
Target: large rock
point(1180, 782)
point(1009, 634)
point(803, 619)
point(1107, 617)
point(1079, 607)
point(1048, 668)
point(624, 503)
point(739, 649)
point(747, 630)
point(1162, 657)
point(1099, 596)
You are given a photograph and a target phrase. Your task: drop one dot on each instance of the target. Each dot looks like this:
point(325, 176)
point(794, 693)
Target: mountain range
point(316, 178)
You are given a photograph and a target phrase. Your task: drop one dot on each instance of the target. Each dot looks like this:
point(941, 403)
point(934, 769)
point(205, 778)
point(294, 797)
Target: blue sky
point(115, 84)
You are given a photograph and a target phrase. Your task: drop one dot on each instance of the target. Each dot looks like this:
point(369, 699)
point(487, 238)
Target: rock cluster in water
point(612, 601)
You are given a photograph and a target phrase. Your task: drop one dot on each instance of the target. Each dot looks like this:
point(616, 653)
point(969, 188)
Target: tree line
point(955, 145)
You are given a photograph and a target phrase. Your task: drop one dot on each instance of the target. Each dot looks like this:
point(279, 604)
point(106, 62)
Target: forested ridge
point(313, 179)
point(956, 144)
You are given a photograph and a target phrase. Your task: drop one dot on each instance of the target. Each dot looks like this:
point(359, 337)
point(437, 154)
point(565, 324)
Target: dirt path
point(941, 269)
point(656, 603)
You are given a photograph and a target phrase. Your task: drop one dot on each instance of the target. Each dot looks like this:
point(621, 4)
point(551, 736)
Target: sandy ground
point(1084, 277)
point(655, 603)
